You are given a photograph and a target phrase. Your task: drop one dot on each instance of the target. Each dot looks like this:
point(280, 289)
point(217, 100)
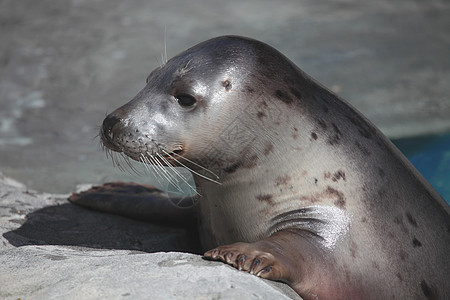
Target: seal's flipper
point(289, 257)
point(144, 202)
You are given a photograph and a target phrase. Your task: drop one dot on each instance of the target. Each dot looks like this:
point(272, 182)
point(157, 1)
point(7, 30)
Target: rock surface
point(51, 249)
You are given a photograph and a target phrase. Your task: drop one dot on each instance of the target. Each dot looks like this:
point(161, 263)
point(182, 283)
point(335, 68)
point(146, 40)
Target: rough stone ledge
point(50, 248)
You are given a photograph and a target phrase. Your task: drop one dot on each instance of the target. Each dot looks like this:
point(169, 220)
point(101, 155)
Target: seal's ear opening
point(185, 100)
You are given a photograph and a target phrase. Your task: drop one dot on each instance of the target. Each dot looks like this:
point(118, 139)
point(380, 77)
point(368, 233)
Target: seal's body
point(310, 192)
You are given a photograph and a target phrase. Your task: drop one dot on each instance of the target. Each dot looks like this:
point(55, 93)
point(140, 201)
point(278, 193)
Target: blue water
point(431, 156)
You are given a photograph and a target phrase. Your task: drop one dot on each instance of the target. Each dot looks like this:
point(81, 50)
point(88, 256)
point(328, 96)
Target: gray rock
point(50, 248)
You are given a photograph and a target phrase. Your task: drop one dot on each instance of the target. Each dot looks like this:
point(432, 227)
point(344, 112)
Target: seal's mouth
point(178, 152)
point(117, 138)
point(173, 155)
point(110, 146)
point(132, 143)
point(158, 155)
point(157, 158)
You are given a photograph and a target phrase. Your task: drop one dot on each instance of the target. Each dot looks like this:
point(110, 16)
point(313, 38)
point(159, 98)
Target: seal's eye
point(185, 100)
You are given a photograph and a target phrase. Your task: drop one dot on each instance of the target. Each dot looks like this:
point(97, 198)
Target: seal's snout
point(107, 132)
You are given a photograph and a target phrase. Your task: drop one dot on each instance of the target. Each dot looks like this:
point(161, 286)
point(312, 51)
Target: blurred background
point(65, 64)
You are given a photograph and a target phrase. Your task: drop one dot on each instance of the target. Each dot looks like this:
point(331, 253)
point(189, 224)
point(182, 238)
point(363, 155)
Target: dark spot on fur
point(363, 128)
point(399, 276)
point(266, 198)
point(429, 292)
point(353, 249)
point(296, 93)
point(283, 96)
point(314, 136)
point(336, 129)
point(381, 173)
point(251, 161)
point(268, 148)
point(363, 149)
point(227, 85)
point(316, 181)
point(332, 193)
point(340, 203)
point(399, 221)
point(382, 194)
point(261, 115)
point(416, 243)
point(249, 89)
point(338, 175)
point(282, 180)
point(322, 124)
point(233, 168)
point(411, 220)
point(296, 129)
point(335, 138)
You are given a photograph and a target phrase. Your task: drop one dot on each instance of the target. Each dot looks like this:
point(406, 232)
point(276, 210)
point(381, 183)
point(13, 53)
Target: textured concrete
point(50, 249)
point(65, 64)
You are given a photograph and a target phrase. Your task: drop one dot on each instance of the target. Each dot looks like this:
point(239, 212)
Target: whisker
point(170, 166)
point(157, 167)
point(146, 167)
point(156, 164)
point(116, 162)
point(161, 166)
point(194, 163)
point(126, 165)
point(173, 169)
point(164, 172)
point(155, 170)
point(196, 173)
point(131, 166)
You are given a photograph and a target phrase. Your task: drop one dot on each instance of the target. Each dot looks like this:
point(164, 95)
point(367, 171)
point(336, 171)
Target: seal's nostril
point(108, 125)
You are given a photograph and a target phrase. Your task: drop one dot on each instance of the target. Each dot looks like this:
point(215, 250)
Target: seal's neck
point(266, 180)
point(283, 157)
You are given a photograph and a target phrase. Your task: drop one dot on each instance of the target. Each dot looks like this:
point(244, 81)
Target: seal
point(295, 184)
